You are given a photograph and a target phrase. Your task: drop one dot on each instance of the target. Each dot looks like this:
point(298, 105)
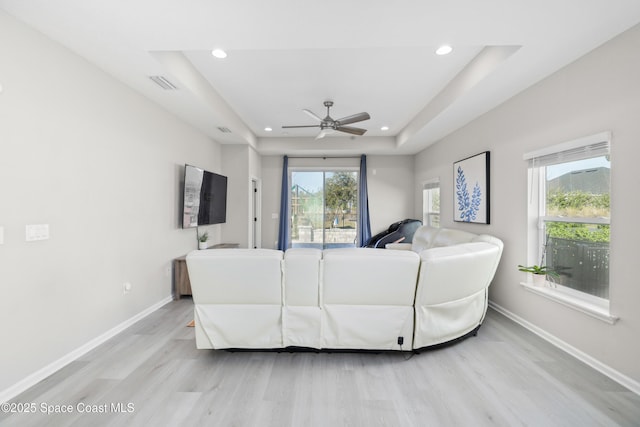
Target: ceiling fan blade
point(353, 119)
point(312, 114)
point(325, 132)
point(301, 126)
point(351, 130)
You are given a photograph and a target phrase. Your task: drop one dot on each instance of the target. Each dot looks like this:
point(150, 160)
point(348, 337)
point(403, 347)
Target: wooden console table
point(181, 283)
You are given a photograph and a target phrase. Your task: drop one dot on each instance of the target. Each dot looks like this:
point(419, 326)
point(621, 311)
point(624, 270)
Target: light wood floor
point(506, 376)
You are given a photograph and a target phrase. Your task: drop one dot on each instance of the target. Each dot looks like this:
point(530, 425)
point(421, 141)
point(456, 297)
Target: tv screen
point(205, 197)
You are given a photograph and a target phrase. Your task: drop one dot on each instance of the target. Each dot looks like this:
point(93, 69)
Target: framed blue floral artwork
point(471, 189)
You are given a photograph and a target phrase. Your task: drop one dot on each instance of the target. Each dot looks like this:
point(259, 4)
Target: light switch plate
point(1, 235)
point(37, 232)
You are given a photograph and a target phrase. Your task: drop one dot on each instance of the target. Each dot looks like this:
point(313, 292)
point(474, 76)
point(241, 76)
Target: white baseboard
point(616, 376)
point(36, 377)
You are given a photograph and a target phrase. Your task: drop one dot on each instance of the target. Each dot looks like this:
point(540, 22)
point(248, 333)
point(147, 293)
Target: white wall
point(103, 167)
point(241, 164)
point(236, 168)
point(389, 180)
point(271, 181)
point(599, 92)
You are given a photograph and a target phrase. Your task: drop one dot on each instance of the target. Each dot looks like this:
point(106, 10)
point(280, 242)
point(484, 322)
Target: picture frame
point(471, 189)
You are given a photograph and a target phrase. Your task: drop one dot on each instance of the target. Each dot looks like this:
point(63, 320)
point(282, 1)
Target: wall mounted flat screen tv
point(205, 197)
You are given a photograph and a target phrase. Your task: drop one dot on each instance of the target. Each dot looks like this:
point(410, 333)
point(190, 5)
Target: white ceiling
point(365, 55)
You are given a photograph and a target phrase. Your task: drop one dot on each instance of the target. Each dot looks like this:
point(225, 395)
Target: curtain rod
point(324, 157)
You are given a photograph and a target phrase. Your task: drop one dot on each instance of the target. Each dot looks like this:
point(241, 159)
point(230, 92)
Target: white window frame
point(580, 301)
point(427, 194)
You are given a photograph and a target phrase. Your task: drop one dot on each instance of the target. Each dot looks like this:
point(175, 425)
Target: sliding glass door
point(324, 208)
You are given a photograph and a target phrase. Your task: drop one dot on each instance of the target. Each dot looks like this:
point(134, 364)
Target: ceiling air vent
point(224, 129)
point(163, 82)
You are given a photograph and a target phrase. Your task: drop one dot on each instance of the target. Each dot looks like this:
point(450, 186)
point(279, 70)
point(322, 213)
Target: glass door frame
point(322, 170)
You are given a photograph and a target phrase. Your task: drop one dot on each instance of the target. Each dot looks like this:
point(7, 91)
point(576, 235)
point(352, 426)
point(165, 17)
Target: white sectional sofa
point(432, 292)
point(456, 269)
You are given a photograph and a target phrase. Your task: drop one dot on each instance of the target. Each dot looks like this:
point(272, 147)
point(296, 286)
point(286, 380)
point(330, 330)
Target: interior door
point(254, 218)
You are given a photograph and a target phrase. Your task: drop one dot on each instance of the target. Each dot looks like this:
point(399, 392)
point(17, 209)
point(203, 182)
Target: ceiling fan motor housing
point(328, 124)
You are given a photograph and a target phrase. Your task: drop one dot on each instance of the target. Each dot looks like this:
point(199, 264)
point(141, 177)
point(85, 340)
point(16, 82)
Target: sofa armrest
point(398, 246)
point(452, 273)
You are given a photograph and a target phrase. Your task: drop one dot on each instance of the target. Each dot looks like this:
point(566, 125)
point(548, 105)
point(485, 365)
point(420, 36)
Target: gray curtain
point(283, 233)
point(364, 234)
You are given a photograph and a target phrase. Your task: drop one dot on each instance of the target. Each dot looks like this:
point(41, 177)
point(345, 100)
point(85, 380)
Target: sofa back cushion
point(449, 236)
point(302, 276)
point(236, 276)
point(367, 276)
point(423, 238)
point(427, 237)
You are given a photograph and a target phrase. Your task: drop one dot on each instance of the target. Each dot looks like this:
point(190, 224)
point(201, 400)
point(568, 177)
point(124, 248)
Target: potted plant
point(539, 273)
point(202, 240)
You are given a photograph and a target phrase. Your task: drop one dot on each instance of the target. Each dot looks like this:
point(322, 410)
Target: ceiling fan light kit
point(328, 125)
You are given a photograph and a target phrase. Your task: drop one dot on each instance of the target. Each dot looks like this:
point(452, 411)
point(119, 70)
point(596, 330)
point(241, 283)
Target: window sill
point(591, 306)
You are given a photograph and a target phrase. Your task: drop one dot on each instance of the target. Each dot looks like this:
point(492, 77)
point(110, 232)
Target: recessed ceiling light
point(444, 50)
point(219, 53)
point(268, 129)
point(384, 128)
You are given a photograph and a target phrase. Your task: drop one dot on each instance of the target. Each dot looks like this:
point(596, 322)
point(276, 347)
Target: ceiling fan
point(328, 125)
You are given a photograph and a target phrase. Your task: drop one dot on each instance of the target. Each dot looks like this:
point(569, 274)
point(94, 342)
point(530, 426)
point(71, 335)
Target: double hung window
point(431, 203)
point(569, 211)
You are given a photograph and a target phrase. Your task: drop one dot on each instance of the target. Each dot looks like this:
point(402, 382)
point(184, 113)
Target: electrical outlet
point(126, 288)
point(1, 235)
